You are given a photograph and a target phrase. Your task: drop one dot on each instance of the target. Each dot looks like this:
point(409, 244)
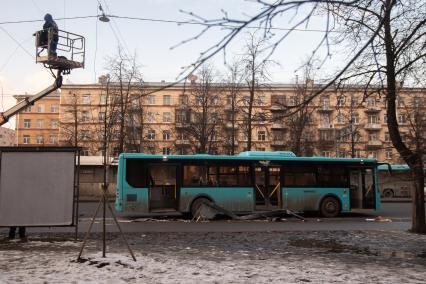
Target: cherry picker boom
point(72, 49)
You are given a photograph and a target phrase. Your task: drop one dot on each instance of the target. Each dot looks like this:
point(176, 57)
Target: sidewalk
point(265, 257)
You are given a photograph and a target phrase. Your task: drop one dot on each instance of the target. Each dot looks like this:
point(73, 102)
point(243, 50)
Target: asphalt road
point(393, 217)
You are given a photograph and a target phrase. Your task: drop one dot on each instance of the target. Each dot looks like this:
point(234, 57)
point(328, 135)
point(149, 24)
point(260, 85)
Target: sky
point(151, 41)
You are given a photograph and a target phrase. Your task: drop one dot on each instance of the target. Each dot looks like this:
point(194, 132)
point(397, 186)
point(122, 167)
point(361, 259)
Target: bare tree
point(205, 116)
point(126, 89)
point(233, 87)
point(256, 71)
point(387, 45)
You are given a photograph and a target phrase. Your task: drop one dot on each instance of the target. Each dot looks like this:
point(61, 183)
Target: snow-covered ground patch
point(291, 257)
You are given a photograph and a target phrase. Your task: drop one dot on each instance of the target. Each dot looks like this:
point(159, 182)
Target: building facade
point(7, 137)
point(38, 125)
point(190, 118)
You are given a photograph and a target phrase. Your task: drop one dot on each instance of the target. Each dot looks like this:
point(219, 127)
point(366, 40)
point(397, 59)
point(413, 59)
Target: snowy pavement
point(257, 257)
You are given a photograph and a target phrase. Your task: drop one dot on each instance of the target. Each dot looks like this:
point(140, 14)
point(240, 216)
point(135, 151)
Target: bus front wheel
point(196, 205)
point(330, 207)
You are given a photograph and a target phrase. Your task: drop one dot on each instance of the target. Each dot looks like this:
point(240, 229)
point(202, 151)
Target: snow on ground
point(290, 257)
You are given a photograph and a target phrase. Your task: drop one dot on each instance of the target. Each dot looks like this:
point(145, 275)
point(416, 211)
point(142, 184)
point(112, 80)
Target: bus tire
point(330, 207)
point(196, 204)
point(388, 193)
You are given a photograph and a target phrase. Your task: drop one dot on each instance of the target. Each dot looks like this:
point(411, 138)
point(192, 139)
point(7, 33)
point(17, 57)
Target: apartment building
point(7, 137)
point(156, 120)
point(38, 125)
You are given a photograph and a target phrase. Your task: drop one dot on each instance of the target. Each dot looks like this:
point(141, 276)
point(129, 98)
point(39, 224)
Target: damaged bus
point(250, 182)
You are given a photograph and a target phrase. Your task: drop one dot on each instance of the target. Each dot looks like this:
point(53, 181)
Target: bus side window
point(136, 173)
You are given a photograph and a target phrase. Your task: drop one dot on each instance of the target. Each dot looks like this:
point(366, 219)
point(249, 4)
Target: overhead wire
point(120, 35)
point(166, 21)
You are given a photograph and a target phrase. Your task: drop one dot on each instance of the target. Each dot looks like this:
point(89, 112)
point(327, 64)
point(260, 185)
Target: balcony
point(277, 143)
point(182, 125)
point(326, 126)
point(278, 125)
point(325, 108)
point(372, 109)
point(277, 108)
point(373, 126)
point(182, 142)
point(374, 144)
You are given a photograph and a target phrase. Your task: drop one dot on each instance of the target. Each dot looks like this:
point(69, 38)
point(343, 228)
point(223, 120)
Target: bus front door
point(267, 188)
point(163, 188)
point(362, 192)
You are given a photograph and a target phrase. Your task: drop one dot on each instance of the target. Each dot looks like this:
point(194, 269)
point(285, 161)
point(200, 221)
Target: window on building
point(341, 118)
point(416, 102)
point(26, 139)
point(357, 154)
point(262, 100)
point(102, 99)
point(214, 100)
point(340, 101)
point(52, 139)
point(372, 137)
point(53, 123)
point(292, 101)
point(182, 136)
point(372, 119)
point(325, 120)
point(326, 154)
point(54, 108)
point(85, 99)
point(84, 116)
point(85, 134)
point(40, 123)
point(354, 101)
point(261, 117)
point(387, 137)
point(341, 153)
point(325, 103)
point(388, 154)
point(261, 135)
point(27, 123)
point(402, 118)
point(167, 117)
point(166, 135)
point(183, 100)
point(40, 139)
point(385, 118)
point(151, 116)
point(151, 99)
point(370, 102)
point(325, 135)
point(40, 108)
point(355, 118)
point(400, 102)
point(278, 100)
point(101, 116)
point(166, 151)
point(27, 109)
point(372, 154)
point(385, 103)
point(151, 134)
point(166, 100)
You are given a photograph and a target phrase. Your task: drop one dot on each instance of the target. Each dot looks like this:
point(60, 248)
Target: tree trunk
point(413, 159)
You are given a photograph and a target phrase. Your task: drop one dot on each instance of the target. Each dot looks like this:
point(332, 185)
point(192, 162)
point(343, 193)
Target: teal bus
point(396, 182)
point(246, 183)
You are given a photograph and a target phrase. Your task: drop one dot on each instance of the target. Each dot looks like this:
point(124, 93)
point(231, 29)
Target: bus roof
point(250, 156)
point(385, 167)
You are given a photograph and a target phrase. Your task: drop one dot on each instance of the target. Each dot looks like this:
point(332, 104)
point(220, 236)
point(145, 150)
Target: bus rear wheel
point(196, 205)
point(330, 207)
point(388, 193)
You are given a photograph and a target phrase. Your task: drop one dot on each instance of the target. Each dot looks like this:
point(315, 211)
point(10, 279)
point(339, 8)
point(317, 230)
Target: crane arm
point(4, 116)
